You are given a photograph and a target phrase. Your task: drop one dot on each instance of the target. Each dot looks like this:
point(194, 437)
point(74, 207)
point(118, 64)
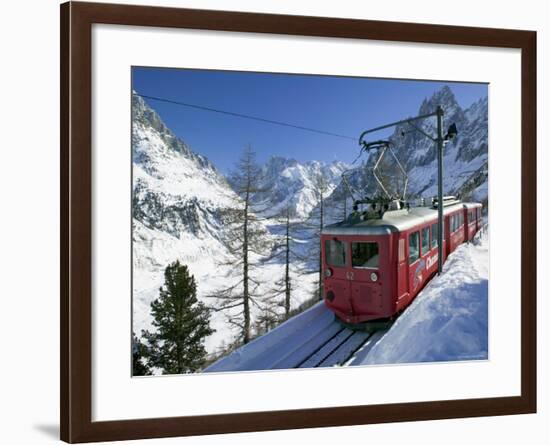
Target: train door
point(434, 250)
point(402, 272)
point(416, 264)
point(467, 220)
point(369, 275)
point(428, 257)
point(479, 221)
point(402, 268)
point(447, 235)
point(337, 286)
point(468, 226)
point(475, 223)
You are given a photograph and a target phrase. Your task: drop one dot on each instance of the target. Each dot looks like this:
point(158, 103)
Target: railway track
point(313, 339)
point(335, 351)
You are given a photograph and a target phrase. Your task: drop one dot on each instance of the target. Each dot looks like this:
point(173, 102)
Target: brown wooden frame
point(76, 221)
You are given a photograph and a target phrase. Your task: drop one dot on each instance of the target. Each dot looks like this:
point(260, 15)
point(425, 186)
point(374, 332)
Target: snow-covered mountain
point(178, 198)
point(465, 162)
point(174, 190)
point(465, 158)
point(288, 183)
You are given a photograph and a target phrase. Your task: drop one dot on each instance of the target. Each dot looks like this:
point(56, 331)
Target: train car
point(375, 264)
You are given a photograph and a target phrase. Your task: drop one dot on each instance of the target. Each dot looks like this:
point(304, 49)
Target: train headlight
point(374, 276)
point(328, 272)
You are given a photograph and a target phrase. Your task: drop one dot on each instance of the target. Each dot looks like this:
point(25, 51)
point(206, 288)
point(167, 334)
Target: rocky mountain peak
point(447, 100)
point(145, 120)
point(465, 157)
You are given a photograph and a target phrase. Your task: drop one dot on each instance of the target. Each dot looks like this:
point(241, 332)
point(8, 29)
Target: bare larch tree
point(316, 222)
point(244, 238)
point(285, 250)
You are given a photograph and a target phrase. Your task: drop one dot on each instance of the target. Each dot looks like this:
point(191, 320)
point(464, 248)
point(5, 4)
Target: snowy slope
point(283, 346)
point(448, 320)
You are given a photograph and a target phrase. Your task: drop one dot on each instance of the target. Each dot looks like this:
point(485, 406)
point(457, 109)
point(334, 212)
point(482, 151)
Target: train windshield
point(335, 253)
point(364, 255)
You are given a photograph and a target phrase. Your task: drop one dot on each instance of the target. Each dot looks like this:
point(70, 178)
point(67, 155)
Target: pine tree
point(181, 322)
point(139, 353)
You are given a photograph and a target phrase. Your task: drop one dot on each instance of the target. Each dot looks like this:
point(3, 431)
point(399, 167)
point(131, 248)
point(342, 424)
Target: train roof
point(392, 221)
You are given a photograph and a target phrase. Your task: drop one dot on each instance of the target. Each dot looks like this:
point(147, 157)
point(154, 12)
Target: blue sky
point(343, 105)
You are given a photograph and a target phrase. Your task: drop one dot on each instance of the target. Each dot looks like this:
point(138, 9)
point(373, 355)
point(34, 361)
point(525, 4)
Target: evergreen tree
point(139, 353)
point(182, 324)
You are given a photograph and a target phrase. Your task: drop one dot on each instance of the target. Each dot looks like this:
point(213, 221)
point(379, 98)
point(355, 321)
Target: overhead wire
point(246, 116)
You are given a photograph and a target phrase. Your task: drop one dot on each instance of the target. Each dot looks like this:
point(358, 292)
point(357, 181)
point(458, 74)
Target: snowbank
point(448, 320)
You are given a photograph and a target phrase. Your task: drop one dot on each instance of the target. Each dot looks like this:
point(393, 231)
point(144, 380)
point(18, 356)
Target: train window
point(434, 235)
point(364, 254)
point(414, 247)
point(335, 252)
point(425, 240)
point(453, 223)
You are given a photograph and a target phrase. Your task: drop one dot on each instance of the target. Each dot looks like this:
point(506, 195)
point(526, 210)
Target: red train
point(375, 264)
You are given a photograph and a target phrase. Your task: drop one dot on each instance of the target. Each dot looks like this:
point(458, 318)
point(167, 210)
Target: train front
point(358, 282)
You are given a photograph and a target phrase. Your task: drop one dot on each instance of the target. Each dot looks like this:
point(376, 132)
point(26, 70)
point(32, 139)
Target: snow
point(448, 320)
point(286, 345)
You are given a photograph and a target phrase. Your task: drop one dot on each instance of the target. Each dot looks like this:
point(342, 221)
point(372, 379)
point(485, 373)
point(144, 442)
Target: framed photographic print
point(275, 222)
